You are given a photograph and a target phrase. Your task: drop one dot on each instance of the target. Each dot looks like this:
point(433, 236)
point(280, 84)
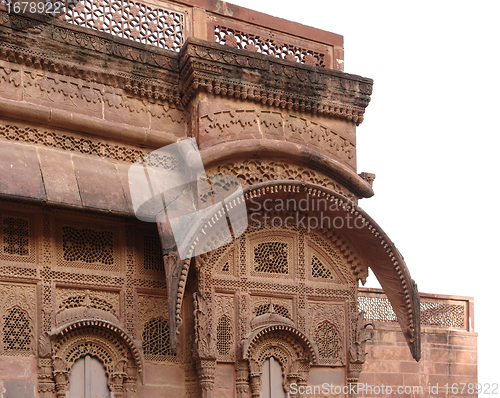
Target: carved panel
point(70, 142)
point(17, 319)
point(10, 80)
point(73, 304)
point(274, 44)
point(153, 328)
point(225, 329)
point(265, 305)
point(327, 328)
point(17, 237)
point(149, 253)
point(139, 21)
point(272, 256)
point(87, 246)
point(250, 124)
point(67, 93)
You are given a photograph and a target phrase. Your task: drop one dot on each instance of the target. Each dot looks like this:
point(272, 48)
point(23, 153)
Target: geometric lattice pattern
point(16, 236)
point(327, 340)
point(431, 313)
point(278, 309)
point(87, 245)
point(376, 309)
point(153, 259)
point(156, 338)
point(271, 257)
point(318, 270)
point(224, 336)
point(16, 331)
point(266, 45)
point(441, 314)
point(131, 20)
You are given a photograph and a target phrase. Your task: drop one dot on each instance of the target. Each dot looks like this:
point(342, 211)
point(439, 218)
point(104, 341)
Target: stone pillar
point(255, 384)
point(353, 373)
point(206, 377)
point(191, 380)
point(62, 381)
point(46, 385)
point(242, 386)
point(301, 381)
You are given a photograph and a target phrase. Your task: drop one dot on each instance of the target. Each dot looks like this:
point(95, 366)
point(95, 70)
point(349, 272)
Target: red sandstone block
point(389, 379)
point(390, 352)
point(155, 391)
point(441, 380)
point(434, 338)
point(414, 379)
point(411, 367)
point(386, 336)
point(382, 366)
point(466, 356)
point(367, 378)
point(467, 341)
point(59, 177)
point(436, 368)
point(441, 355)
point(463, 369)
point(163, 373)
point(224, 377)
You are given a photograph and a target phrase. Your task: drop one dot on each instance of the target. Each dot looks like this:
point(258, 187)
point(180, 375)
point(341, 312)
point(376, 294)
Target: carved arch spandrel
point(116, 350)
point(293, 350)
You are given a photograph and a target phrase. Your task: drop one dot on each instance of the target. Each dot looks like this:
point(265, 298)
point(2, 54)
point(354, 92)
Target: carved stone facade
point(85, 95)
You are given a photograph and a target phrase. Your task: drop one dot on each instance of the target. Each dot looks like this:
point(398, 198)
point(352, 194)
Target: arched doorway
point(88, 379)
point(272, 379)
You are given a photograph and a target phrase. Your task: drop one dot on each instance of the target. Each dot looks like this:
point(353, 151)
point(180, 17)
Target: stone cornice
point(242, 74)
point(155, 73)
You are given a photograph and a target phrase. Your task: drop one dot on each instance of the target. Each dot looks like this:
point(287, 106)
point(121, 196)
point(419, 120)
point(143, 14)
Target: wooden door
point(88, 379)
point(272, 379)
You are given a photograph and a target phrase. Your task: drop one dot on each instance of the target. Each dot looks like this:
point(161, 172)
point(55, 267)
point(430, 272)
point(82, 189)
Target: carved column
point(353, 372)
point(62, 382)
point(256, 383)
point(206, 377)
point(357, 352)
point(242, 386)
point(191, 381)
point(46, 385)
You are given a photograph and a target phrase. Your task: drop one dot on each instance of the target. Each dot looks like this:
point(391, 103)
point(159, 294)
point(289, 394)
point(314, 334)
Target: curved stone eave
point(256, 149)
point(377, 250)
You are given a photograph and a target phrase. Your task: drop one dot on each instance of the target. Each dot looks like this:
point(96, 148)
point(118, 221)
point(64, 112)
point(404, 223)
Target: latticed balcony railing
point(167, 25)
point(435, 310)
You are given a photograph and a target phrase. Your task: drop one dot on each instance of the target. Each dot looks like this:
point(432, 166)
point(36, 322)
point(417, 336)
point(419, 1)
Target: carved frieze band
point(275, 125)
point(251, 172)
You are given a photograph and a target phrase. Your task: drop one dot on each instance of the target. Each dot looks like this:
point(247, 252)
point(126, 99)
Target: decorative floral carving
point(17, 316)
point(357, 352)
point(326, 325)
point(205, 342)
point(251, 172)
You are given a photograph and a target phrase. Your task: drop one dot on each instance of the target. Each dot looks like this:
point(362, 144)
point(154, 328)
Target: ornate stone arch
point(116, 350)
point(375, 251)
point(292, 348)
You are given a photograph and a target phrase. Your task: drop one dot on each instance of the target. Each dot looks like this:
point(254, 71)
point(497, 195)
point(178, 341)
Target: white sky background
point(431, 135)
